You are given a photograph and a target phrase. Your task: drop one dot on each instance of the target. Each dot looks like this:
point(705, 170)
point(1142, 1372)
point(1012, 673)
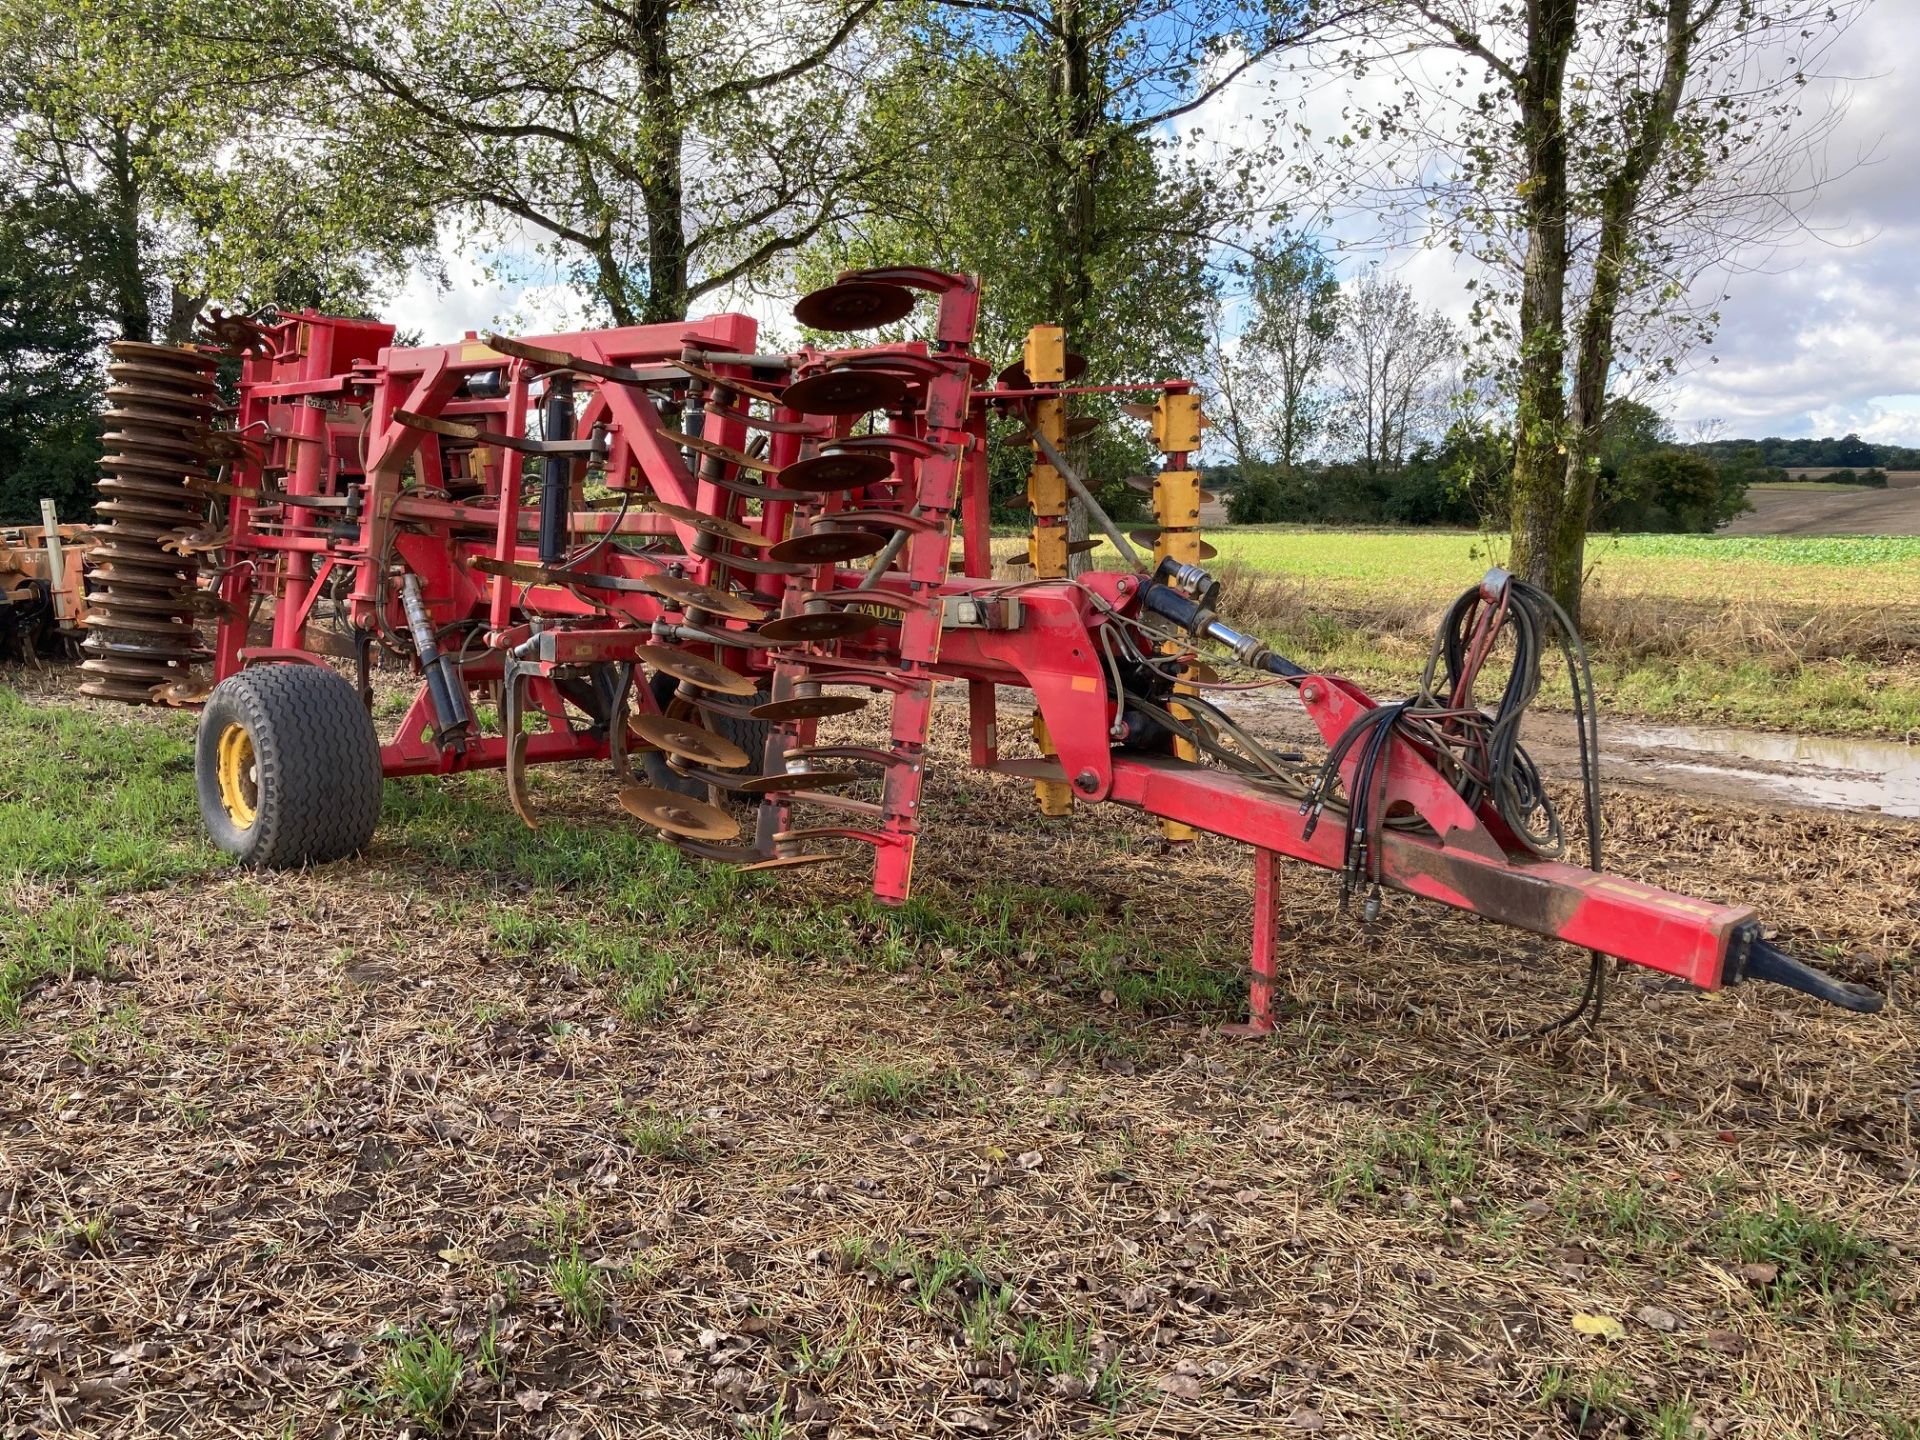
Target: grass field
point(1820, 635)
point(555, 1134)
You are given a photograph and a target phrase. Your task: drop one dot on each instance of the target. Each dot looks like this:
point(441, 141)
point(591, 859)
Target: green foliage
point(579, 1288)
point(419, 1379)
point(1669, 489)
point(69, 938)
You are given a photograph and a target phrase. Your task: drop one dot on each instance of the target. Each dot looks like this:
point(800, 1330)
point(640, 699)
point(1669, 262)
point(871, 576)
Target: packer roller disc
point(689, 742)
point(807, 707)
point(812, 629)
point(843, 470)
point(106, 687)
point(827, 547)
point(854, 305)
point(678, 814)
point(145, 352)
point(694, 669)
point(845, 392)
point(691, 595)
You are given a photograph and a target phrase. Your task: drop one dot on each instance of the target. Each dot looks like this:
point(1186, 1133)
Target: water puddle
point(1807, 769)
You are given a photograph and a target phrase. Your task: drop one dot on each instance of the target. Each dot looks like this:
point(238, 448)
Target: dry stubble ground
point(555, 1135)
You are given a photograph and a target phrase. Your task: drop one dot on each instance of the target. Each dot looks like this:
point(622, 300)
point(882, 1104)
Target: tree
point(1599, 158)
point(1390, 361)
point(187, 167)
point(50, 323)
point(660, 152)
point(1266, 380)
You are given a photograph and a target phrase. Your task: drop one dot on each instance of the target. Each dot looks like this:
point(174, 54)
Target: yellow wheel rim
point(239, 778)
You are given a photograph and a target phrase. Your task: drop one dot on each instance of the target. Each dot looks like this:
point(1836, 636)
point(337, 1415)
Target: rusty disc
point(845, 392)
point(168, 513)
point(854, 305)
point(157, 490)
point(1152, 538)
point(827, 547)
point(137, 692)
point(807, 707)
point(191, 408)
point(118, 600)
point(100, 619)
point(794, 781)
point(183, 693)
point(135, 557)
point(695, 670)
point(176, 356)
point(693, 596)
point(175, 471)
point(678, 814)
point(690, 742)
point(132, 669)
point(812, 629)
point(711, 524)
point(713, 451)
point(845, 470)
point(1014, 377)
point(139, 440)
point(164, 377)
point(789, 862)
point(1080, 426)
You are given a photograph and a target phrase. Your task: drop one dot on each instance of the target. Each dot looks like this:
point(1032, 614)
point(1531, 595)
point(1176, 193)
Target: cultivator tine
point(731, 383)
point(618, 723)
point(714, 525)
point(513, 694)
point(725, 454)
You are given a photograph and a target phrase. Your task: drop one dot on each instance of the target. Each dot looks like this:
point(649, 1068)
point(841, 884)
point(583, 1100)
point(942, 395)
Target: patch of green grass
point(660, 1136)
point(419, 1379)
point(1061, 1347)
point(907, 1089)
point(64, 940)
point(582, 1294)
point(1167, 985)
point(1599, 1397)
point(1430, 1156)
point(86, 798)
point(1813, 1255)
point(1630, 1211)
point(1673, 1420)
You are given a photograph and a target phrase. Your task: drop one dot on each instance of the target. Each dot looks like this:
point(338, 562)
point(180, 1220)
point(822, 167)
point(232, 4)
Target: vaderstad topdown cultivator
point(664, 546)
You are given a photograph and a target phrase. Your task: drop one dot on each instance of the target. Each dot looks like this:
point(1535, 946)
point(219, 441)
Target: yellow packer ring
point(239, 781)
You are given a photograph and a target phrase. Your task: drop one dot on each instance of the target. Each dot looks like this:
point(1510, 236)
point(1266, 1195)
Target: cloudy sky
point(1824, 338)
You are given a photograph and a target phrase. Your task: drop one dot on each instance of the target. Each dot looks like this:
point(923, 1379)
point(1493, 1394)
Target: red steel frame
point(330, 413)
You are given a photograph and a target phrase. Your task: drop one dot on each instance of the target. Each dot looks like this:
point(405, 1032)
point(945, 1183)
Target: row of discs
point(142, 596)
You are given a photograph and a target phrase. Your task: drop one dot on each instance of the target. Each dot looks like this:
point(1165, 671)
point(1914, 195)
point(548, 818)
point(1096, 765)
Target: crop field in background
point(1815, 634)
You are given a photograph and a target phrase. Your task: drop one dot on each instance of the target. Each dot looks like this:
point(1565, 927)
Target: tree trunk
point(1540, 551)
point(126, 276)
point(661, 191)
point(1079, 118)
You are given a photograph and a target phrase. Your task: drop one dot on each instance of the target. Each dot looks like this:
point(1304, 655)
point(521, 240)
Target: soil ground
point(614, 1145)
point(1847, 512)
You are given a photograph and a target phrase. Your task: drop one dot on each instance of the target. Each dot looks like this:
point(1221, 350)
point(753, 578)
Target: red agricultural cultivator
point(656, 548)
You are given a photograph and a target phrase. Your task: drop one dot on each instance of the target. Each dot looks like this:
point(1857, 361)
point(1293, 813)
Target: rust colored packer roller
point(142, 598)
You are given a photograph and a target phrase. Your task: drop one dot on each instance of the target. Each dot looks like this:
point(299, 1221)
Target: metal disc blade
point(807, 707)
point(790, 862)
point(711, 524)
point(1081, 425)
point(678, 814)
point(827, 547)
point(792, 782)
point(809, 629)
point(854, 305)
point(822, 473)
point(1014, 377)
point(695, 670)
point(723, 453)
point(176, 356)
point(690, 742)
point(692, 595)
point(1082, 547)
point(845, 392)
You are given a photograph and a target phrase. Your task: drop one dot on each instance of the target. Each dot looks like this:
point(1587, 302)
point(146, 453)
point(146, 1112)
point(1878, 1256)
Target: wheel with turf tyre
point(288, 767)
